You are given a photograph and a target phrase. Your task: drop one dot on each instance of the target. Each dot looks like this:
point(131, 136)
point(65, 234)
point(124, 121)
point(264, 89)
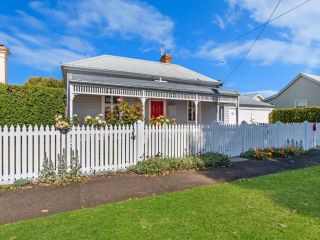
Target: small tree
point(45, 82)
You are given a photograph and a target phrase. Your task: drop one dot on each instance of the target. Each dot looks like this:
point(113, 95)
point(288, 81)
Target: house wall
point(208, 112)
point(254, 115)
point(177, 110)
point(230, 115)
point(85, 105)
point(301, 89)
point(92, 105)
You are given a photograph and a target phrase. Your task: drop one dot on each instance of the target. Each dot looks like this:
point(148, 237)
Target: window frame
point(221, 113)
point(193, 105)
point(302, 99)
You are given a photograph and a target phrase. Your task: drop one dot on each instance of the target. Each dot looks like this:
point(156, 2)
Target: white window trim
point(302, 99)
point(199, 112)
point(222, 117)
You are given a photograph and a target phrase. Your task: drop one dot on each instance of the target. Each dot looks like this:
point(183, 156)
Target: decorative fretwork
point(128, 92)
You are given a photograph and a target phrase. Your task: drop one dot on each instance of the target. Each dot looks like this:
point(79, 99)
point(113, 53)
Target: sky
point(43, 34)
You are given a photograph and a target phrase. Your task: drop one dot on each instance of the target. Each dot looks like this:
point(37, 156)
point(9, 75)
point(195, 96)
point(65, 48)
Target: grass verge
point(279, 206)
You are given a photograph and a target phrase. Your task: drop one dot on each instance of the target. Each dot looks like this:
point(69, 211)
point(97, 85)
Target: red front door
point(156, 108)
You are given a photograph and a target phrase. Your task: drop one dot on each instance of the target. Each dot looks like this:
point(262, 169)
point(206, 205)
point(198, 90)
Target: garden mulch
point(42, 201)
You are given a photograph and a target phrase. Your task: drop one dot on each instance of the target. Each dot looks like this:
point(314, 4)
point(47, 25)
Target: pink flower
point(119, 100)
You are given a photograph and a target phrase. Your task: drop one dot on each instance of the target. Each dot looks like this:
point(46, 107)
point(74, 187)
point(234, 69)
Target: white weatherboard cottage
point(163, 88)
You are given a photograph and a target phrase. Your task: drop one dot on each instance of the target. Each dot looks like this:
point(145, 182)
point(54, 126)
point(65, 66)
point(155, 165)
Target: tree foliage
point(30, 105)
point(45, 82)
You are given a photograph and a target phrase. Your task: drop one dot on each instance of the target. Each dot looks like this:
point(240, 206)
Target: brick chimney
point(166, 58)
point(4, 54)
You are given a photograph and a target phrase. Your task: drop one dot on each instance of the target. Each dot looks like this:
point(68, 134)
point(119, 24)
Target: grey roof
point(314, 78)
point(248, 101)
point(252, 95)
point(147, 84)
point(311, 76)
point(115, 64)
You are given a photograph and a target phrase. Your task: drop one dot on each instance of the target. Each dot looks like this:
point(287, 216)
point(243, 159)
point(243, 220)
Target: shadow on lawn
point(298, 191)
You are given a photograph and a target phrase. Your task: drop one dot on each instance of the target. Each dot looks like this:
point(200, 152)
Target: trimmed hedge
point(292, 115)
point(30, 105)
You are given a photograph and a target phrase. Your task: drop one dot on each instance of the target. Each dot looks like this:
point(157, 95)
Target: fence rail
point(23, 149)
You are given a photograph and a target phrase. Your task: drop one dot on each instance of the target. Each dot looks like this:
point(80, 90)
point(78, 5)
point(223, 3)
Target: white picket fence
point(23, 149)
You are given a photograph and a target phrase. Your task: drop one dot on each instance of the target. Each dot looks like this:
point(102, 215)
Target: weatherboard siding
point(208, 112)
point(301, 89)
point(85, 105)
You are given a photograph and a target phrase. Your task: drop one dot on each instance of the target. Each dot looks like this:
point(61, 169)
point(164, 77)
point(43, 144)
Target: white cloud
point(296, 39)
point(37, 55)
point(30, 21)
point(124, 17)
point(37, 43)
point(219, 21)
point(265, 52)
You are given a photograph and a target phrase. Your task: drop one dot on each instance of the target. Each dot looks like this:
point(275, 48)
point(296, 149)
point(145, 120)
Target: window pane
point(191, 111)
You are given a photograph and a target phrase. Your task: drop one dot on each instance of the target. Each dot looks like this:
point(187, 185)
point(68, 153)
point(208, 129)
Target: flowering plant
point(162, 120)
point(124, 113)
point(64, 123)
point(95, 121)
point(272, 153)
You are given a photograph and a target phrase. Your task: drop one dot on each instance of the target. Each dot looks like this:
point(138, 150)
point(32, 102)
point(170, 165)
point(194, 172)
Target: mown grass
point(279, 206)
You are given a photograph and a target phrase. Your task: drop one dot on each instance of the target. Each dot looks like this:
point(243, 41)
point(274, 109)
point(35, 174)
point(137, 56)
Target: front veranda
point(185, 108)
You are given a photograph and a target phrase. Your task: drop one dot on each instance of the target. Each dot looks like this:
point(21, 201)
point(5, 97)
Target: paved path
point(42, 201)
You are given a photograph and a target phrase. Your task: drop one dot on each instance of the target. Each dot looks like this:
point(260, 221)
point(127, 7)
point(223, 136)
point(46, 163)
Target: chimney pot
point(166, 58)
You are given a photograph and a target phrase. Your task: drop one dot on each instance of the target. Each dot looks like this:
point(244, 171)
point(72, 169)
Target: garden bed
point(272, 153)
point(159, 166)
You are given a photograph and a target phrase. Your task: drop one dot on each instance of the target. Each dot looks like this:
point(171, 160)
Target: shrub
point(157, 166)
point(213, 160)
point(125, 113)
point(291, 115)
point(95, 121)
point(272, 153)
point(30, 105)
point(64, 123)
point(63, 175)
point(21, 182)
point(162, 120)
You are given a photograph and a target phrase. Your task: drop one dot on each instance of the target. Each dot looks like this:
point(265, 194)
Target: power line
point(254, 42)
point(260, 26)
point(254, 29)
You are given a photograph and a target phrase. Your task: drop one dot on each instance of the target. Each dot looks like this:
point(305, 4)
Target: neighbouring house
point(302, 91)
point(4, 54)
point(255, 96)
point(162, 88)
point(252, 110)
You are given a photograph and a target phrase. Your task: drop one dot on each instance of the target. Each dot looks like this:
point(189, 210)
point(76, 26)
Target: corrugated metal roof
point(144, 84)
point(252, 95)
point(248, 101)
point(314, 77)
point(143, 67)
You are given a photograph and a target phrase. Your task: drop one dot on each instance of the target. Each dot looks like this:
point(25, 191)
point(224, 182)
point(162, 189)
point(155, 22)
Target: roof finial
point(163, 51)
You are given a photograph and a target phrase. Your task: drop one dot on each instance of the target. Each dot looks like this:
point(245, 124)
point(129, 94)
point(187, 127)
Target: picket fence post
point(306, 135)
point(140, 141)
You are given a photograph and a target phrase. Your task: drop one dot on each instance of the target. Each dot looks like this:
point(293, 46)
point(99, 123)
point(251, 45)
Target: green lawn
point(279, 206)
